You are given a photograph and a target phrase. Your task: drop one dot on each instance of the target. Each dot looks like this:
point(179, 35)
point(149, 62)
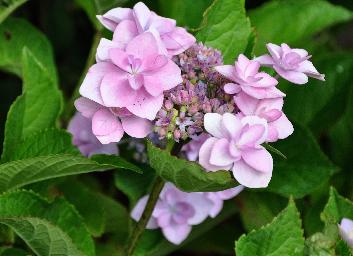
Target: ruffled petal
point(259, 159)
point(136, 127)
point(249, 177)
point(106, 127)
point(86, 107)
point(220, 155)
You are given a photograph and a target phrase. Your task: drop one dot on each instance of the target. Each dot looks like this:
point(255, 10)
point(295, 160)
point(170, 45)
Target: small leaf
point(8, 7)
point(226, 28)
point(292, 20)
point(283, 236)
point(188, 176)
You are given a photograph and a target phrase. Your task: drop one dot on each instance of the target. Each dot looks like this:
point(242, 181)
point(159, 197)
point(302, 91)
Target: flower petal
point(283, 126)
point(259, 159)
point(142, 16)
point(231, 88)
point(124, 33)
point(86, 107)
point(103, 49)
point(136, 127)
point(308, 68)
point(205, 155)
point(176, 233)
point(265, 60)
point(113, 17)
point(231, 124)
point(177, 41)
point(106, 127)
point(136, 213)
point(226, 70)
point(292, 76)
point(143, 46)
point(213, 125)
point(220, 155)
point(249, 177)
point(202, 206)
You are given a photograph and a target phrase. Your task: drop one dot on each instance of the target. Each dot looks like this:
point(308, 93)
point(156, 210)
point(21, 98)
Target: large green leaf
point(46, 142)
point(19, 173)
point(47, 228)
point(188, 176)
point(186, 13)
point(226, 27)
point(304, 170)
point(289, 21)
point(322, 103)
point(8, 6)
point(283, 236)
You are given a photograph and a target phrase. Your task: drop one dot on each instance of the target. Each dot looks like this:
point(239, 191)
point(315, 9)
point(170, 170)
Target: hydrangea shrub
point(181, 140)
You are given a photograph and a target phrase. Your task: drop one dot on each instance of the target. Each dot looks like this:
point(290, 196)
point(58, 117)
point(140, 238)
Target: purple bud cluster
point(201, 92)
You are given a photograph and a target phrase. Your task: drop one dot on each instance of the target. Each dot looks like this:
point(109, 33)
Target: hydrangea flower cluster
point(177, 211)
point(153, 77)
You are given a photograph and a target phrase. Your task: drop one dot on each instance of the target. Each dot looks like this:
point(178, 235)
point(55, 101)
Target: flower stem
point(146, 215)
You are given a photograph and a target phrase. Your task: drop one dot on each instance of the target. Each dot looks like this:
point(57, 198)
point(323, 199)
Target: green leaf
point(304, 170)
point(47, 228)
point(116, 161)
point(226, 27)
point(188, 176)
point(19, 173)
point(283, 236)
point(186, 13)
point(289, 21)
point(46, 142)
point(134, 185)
point(8, 6)
point(13, 252)
point(322, 103)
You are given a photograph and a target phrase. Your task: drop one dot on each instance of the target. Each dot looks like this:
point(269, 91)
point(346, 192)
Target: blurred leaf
point(322, 103)
point(258, 209)
point(13, 252)
point(100, 213)
point(134, 185)
point(40, 105)
point(19, 173)
point(283, 236)
point(47, 228)
point(226, 27)
point(186, 175)
point(288, 21)
point(8, 6)
point(304, 170)
point(185, 12)
point(46, 142)
point(96, 7)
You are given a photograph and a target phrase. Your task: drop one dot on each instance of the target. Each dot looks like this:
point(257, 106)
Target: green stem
point(146, 215)
point(70, 109)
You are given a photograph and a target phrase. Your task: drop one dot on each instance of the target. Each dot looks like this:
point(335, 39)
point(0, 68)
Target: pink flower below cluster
point(88, 144)
point(177, 211)
point(346, 231)
point(128, 23)
point(236, 145)
point(291, 64)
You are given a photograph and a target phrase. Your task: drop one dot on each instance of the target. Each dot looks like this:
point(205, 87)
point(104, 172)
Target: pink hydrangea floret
point(82, 136)
point(236, 145)
point(245, 77)
point(291, 64)
point(127, 23)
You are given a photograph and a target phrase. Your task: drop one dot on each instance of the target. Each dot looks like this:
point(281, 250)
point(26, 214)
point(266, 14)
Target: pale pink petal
point(226, 70)
point(269, 104)
point(116, 91)
point(255, 120)
point(262, 93)
point(265, 60)
point(164, 219)
point(106, 127)
point(145, 105)
point(86, 107)
point(120, 59)
point(272, 135)
point(251, 136)
point(136, 213)
point(259, 159)
point(302, 53)
point(205, 155)
point(249, 177)
point(143, 46)
point(136, 127)
point(111, 18)
point(176, 233)
point(213, 125)
point(103, 49)
point(161, 24)
point(90, 87)
point(246, 103)
point(275, 51)
point(202, 206)
point(142, 16)
point(230, 193)
point(177, 41)
point(346, 230)
point(252, 69)
point(231, 124)
point(231, 88)
point(265, 81)
point(308, 68)
point(242, 63)
point(220, 155)
point(292, 76)
point(166, 78)
point(217, 204)
point(283, 126)
point(124, 33)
